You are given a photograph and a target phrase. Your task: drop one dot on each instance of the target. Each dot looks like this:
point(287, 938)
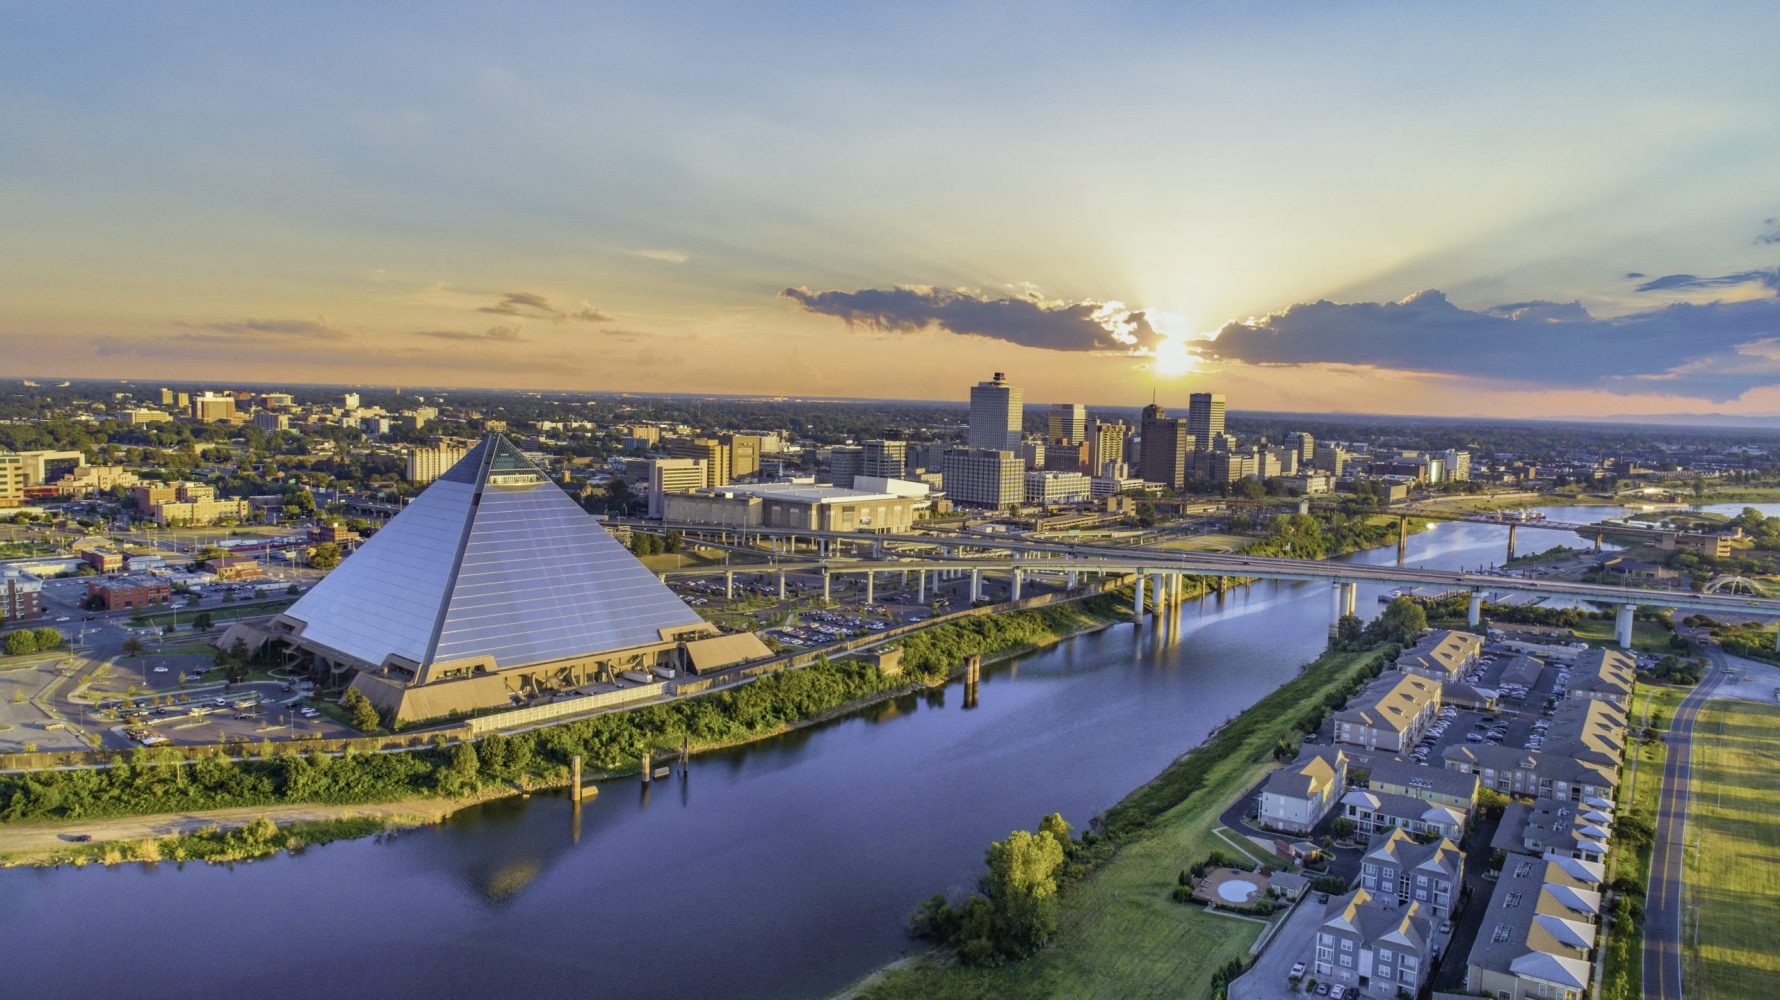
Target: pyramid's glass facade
point(493, 562)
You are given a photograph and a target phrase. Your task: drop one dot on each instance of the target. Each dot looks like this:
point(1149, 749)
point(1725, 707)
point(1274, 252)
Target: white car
point(160, 670)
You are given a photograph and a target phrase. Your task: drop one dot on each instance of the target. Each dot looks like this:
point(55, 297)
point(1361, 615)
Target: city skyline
point(1398, 210)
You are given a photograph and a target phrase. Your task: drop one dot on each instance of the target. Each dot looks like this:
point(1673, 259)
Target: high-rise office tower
point(1304, 444)
point(744, 454)
point(886, 459)
point(714, 452)
point(1165, 443)
point(1068, 423)
point(1205, 417)
point(845, 463)
point(996, 413)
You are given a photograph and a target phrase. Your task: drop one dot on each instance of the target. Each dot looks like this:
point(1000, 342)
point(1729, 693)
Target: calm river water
point(782, 869)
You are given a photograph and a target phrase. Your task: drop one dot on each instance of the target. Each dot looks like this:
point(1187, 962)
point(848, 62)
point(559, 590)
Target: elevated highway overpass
point(1163, 568)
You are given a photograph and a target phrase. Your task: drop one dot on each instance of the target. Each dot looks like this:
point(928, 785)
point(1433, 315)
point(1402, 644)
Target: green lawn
point(220, 613)
point(1206, 543)
point(1647, 637)
point(1734, 875)
point(1119, 934)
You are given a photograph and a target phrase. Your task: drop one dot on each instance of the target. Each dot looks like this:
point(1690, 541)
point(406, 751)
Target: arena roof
point(492, 560)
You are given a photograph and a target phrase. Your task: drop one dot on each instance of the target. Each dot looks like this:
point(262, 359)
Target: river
point(780, 869)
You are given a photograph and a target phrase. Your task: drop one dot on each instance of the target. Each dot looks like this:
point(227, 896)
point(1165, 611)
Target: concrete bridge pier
point(781, 585)
point(729, 586)
point(921, 586)
point(826, 580)
point(1159, 594)
point(1014, 593)
point(1402, 538)
point(868, 586)
point(1598, 543)
point(1511, 541)
point(1335, 597)
point(1137, 602)
point(1622, 625)
point(976, 585)
point(1072, 581)
point(1474, 613)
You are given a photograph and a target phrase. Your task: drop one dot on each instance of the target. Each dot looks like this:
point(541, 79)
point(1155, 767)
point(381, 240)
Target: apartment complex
point(1295, 798)
point(1390, 713)
point(21, 596)
point(1442, 655)
point(1374, 945)
point(1398, 866)
point(1538, 933)
point(1603, 675)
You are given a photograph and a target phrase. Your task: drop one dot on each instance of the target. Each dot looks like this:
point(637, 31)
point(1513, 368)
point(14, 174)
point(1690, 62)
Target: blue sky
point(231, 191)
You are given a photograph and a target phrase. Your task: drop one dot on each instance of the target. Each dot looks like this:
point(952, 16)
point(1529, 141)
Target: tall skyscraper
point(1165, 444)
point(1304, 444)
point(1068, 423)
point(885, 459)
point(1106, 443)
point(845, 463)
point(996, 413)
point(1205, 418)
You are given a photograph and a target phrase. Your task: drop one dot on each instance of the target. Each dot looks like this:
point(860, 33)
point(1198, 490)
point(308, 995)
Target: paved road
point(1663, 910)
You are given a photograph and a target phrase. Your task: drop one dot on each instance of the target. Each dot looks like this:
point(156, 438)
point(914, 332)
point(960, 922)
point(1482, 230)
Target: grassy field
point(219, 613)
point(1639, 789)
point(1647, 637)
point(1733, 876)
point(1119, 934)
point(1207, 543)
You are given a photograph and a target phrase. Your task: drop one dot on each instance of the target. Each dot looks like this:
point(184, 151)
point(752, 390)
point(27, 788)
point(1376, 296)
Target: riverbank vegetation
point(214, 844)
point(1629, 863)
point(1117, 930)
point(161, 781)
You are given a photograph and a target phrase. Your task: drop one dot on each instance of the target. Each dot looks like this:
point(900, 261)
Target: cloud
point(665, 256)
point(503, 334)
point(1769, 278)
point(535, 306)
point(1772, 236)
point(521, 304)
point(1540, 311)
point(586, 314)
point(1692, 347)
point(248, 330)
point(1027, 319)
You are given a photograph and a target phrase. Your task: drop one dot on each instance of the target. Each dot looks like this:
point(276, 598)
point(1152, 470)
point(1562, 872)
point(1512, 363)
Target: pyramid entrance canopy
point(493, 561)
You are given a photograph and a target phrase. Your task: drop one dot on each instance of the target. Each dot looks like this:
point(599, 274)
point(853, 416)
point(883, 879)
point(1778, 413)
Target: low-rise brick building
point(123, 592)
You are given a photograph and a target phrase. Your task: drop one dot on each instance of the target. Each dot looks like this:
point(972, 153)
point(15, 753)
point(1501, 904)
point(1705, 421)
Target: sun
point(1172, 357)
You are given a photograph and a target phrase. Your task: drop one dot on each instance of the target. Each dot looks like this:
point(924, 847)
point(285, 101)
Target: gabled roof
point(1304, 776)
point(495, 562)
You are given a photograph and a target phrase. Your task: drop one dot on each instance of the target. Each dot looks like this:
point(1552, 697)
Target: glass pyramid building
point(492, 571)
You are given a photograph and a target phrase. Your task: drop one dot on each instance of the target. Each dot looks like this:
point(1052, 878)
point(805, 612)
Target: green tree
point(48, 638)
point(1401, 621)
point(132, 646)
point(21, 642)
point(325, 556)
point(460, 771)
point(299, 503)
point(359, 709)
